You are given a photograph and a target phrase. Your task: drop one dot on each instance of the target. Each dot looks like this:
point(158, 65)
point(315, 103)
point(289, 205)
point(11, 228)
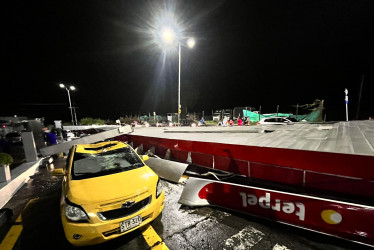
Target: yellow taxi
point(107, 191)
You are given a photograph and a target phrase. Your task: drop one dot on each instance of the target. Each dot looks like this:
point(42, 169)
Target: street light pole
point(70, 107)
point(71, 110)
point(179, 84)
point(346, 104)
point(169, 37)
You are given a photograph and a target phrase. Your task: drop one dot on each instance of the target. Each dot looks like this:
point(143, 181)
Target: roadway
point(38, 225)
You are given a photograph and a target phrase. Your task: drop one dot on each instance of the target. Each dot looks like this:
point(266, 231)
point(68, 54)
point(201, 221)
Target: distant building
point(10, 124)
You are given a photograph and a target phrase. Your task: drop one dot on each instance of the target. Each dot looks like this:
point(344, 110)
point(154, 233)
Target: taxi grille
point(123, 212)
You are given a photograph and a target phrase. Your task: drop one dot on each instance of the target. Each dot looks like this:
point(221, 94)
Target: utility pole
point(359, 98)
point(75, 115)
point(297, 109)
point(259, 113)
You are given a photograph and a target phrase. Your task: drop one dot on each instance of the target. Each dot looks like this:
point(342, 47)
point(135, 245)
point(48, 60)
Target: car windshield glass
point(105, 163)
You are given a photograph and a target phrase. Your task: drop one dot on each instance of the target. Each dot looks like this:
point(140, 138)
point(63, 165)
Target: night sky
point(247, 53)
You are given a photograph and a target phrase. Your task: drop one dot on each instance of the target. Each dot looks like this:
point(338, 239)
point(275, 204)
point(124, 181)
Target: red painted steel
point(323, 170)
point(345, 220)
point(179, 155)
point(341, 184)
point(277, 174)
point(231, 165)
point(359, 166)
point(202, 159)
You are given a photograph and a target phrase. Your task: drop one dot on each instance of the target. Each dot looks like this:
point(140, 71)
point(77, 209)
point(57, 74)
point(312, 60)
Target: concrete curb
point(20, 175)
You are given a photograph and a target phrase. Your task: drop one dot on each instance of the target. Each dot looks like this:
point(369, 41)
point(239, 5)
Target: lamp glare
point(191, 43)
point(167, 35)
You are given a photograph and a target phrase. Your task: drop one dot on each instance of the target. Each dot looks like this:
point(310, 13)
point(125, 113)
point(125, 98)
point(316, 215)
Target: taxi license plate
point(130, 223)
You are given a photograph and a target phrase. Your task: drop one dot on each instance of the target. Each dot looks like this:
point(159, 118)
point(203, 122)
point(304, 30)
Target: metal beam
point(169, 170)
point(63, 147)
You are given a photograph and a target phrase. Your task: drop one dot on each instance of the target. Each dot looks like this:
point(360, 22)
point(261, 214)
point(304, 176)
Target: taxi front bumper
point(81, 234)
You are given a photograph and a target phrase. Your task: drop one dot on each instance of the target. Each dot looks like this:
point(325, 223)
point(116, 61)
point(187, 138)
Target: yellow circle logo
point(331, 216)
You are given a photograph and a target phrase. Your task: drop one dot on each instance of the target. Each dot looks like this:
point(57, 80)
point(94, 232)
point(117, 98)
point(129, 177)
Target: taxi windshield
point(105, 163)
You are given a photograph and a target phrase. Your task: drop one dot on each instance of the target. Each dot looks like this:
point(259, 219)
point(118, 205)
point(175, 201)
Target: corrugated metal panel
point(354, 137)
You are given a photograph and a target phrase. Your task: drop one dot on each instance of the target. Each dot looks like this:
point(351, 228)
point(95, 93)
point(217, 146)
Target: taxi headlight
point(159, 188)
point(75, 213)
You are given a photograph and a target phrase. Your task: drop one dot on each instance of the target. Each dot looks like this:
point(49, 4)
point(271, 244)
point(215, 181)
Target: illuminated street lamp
point(169, 37)
point(346, 104)
point(71, 109)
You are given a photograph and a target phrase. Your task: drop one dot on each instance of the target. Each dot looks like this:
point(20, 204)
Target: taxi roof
point(96, 148)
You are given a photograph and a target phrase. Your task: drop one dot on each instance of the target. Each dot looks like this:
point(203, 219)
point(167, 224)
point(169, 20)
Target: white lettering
point(301, 212)
point(252, 199)
point(264, 201)
point(288, 207)
point(244, 200)
point(278, 205)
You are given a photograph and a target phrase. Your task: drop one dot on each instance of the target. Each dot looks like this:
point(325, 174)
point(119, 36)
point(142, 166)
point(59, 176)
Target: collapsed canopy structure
point(313, 113)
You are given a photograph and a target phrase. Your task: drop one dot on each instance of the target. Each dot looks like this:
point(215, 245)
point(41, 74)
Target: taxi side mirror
point(58, 172)
point(145, 157)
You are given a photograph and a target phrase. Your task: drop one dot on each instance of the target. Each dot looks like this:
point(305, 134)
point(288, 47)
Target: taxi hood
point(113, 186)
